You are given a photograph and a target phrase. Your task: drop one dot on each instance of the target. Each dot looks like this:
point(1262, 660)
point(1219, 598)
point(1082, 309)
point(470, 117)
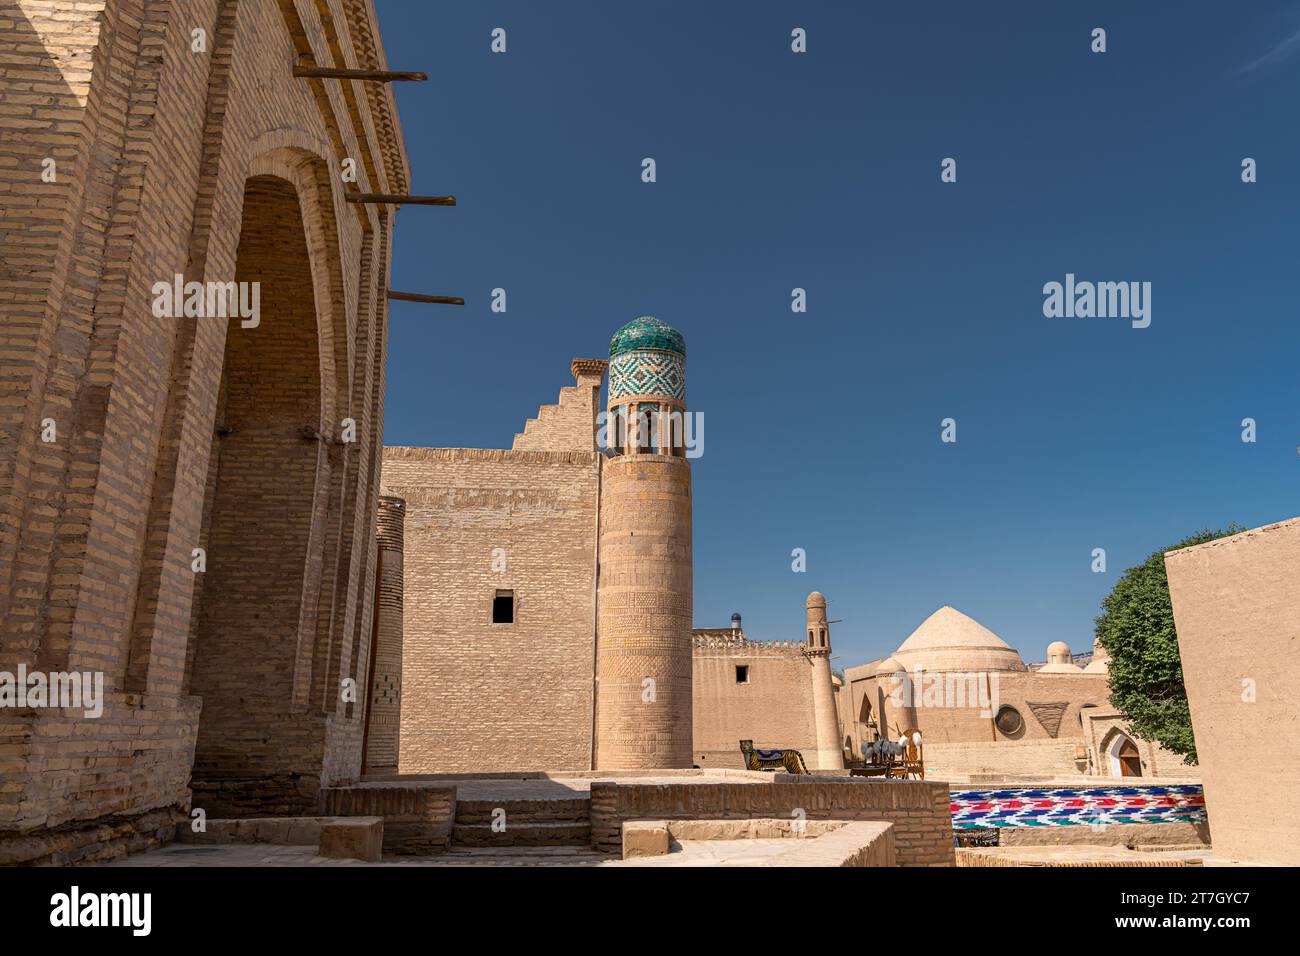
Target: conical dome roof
point(948, 640)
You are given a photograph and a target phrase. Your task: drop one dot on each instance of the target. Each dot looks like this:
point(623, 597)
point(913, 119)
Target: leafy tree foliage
point(1146, 676)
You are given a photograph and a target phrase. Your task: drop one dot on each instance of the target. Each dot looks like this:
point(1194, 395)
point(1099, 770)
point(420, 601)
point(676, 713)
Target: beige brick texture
point(1237, 611)
point(773, 708)
point(643, 667)
point(181, 432)
point(496, 697)
point(383, 725)
point(919, 810)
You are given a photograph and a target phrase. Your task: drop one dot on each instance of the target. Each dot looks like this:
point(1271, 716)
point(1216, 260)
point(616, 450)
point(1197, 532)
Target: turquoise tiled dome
point(646, 332)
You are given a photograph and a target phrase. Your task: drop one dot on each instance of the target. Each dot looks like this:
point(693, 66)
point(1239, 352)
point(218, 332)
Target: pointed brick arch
point(269, 530)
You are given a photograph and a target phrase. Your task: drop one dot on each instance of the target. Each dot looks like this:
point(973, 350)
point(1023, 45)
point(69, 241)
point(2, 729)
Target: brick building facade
point(777, 694)
point(180, 507)
point(547, 618)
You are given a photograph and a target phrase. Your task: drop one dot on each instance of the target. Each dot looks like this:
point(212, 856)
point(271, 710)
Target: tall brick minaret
point(644, 587)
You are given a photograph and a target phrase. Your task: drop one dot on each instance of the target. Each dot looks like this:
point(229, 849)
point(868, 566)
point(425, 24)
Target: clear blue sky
point(821, 170)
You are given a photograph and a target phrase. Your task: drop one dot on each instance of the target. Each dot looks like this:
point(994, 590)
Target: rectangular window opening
point(742, 673)
point(503, 608)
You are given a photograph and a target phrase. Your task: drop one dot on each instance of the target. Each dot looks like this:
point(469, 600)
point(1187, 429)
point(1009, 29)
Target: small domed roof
point(948, 640)
point(888, 665)
point(647, 332)
point(1060, 668)
point(1100, 663)
point(1060, 660)
point(816, 599)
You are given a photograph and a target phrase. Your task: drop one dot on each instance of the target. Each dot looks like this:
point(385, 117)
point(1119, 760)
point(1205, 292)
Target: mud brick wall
point(496, 697)
point(418, 818)
point(919, 810)
point(774, 708)
point(1237, 610)
point(1044, 758)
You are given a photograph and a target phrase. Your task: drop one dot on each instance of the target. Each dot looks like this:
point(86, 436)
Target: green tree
point(1146, 675)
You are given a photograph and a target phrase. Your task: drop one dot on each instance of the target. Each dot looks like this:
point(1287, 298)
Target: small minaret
point(829, 755)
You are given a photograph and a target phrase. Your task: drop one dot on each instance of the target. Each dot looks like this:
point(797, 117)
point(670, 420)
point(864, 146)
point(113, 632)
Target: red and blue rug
point(1074, 806)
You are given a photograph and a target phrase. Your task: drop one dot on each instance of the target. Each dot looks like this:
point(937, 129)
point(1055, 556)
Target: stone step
point(509, 852)
point(522, 834)
point(523, 856)
point(576, 810)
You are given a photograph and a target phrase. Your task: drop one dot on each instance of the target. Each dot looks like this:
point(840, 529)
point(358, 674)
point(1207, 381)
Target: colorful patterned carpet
point(1072, 806)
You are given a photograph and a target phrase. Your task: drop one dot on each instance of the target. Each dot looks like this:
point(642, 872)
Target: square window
point(742, 673)
point(503, 608)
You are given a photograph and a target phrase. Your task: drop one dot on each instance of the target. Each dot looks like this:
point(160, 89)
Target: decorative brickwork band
point(384, 720)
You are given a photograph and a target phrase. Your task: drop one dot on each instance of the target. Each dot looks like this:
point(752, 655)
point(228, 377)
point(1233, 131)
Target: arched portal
point(266, 496)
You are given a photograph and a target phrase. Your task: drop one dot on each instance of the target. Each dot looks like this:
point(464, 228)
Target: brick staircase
point(528, 823)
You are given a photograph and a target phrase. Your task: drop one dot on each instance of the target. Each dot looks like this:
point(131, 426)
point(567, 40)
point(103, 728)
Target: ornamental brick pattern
point(383, 723)
point(179, 433)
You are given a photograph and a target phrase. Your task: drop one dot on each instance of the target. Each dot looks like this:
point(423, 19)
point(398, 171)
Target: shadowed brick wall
point(155, 145)
point(384, 726)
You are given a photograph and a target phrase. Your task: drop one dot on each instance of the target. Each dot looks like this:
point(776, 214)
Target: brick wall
point(384, 721)
point(569, 424)
point(418, 817)
point(483, 696)
point(644, 612)
point(155, 144)
point(133, 770)
point(774, 708)
point(1043, 758)
point(1236, 606)
point(919, 810)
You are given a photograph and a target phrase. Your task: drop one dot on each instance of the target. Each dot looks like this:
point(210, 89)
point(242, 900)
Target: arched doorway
point(1125, 761)
point(266, 497)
